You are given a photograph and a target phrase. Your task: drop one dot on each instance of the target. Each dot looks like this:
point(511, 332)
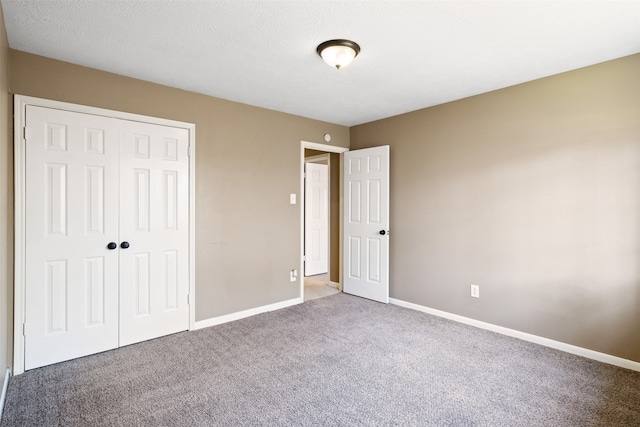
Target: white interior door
point(366, 223)
point(154, 221)
point(316, 215)
point(72, 214)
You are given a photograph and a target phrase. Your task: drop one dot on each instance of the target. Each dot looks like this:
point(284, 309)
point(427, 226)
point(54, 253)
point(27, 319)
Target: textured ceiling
point(414, 54)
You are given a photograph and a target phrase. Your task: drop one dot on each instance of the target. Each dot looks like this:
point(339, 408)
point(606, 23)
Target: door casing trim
point(19, 176)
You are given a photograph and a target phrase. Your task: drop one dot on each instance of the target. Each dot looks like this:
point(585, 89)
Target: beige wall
point(334, 212)
point(6, 206)
point(310, 153)
point(247, 164)
point(531, 192)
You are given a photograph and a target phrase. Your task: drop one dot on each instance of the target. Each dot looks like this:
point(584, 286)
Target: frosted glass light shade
point(338, 53)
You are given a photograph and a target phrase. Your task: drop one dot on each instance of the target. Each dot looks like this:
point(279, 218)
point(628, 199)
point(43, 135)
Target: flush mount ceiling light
point(338, 53)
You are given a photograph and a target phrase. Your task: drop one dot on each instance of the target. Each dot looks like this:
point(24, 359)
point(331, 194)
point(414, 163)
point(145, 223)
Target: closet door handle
point(124, 245)
point(112, 245)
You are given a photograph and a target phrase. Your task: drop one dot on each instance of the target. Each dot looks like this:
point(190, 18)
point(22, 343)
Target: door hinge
point(304, 257)
point(24, 133)
point(24, 329)
point(188, 151)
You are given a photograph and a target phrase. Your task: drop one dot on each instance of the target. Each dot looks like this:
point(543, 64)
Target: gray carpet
point(334, 361)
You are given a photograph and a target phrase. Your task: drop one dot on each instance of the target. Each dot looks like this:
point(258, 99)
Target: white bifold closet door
point(93, 183)
point(154, 220)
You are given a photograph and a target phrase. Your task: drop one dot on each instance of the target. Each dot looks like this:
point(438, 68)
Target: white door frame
point(329, 149)
point(20, 105)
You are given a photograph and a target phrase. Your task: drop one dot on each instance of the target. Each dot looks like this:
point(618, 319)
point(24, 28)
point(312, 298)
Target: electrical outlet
point(475, 291)
point(293, 276)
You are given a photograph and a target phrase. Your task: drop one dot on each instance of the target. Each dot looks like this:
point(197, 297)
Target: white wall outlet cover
point(475, 291)
point(327, 137)
point(292, 199)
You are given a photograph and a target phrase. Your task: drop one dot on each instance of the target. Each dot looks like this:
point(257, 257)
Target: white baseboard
point(580, 351)
point(245, 313)
point(334, 285)
point(5, 384)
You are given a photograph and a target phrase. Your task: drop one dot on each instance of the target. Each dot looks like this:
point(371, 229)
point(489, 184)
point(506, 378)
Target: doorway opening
point(320, 220)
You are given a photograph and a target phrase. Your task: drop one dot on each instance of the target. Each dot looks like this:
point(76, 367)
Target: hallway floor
point(318, 287)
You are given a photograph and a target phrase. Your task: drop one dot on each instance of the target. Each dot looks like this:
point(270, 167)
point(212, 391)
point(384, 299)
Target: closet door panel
point(72, 214)
point(154, 221)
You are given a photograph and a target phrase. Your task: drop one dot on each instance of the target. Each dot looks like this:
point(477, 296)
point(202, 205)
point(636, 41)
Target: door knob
point(124, 245)
point(383, 232)
point(112, 245)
